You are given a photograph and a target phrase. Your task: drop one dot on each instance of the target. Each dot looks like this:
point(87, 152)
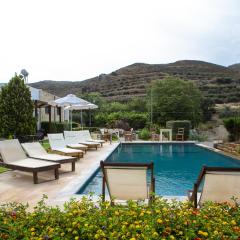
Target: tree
point(174, 99)
point(16, 109)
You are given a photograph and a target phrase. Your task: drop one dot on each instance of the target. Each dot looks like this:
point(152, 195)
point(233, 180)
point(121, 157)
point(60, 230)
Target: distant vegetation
point(167, 99)
point(133, 81)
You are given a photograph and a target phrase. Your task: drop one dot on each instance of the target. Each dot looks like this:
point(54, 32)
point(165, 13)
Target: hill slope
point(222, 84)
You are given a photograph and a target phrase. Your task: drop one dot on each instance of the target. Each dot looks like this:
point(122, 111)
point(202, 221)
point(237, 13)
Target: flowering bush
point(87, 220)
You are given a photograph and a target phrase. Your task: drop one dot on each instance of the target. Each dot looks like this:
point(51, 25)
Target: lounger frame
point(204, 170)
point(33, 170)
point(137, 165)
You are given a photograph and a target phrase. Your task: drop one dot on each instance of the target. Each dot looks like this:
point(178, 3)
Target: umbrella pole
point(81, 120)
point(71, 120)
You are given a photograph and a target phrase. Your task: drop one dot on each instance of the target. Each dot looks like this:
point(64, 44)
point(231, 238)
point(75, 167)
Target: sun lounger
point(59, 146)
point(220, 185)
point(87, 137)
point(15, 158)
point(35, 150)
point(127, 181)
point(78, 138)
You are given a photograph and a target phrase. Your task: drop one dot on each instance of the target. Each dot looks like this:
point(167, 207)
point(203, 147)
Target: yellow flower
point(32, 229)
point(76, 238)
point(116, 213)
point(159, 221)
point(233, 222)
point(205, 234)
point(133, 238)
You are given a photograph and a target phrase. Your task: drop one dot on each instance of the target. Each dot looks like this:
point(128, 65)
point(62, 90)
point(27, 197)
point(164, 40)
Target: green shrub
point(144, 134)
point(89, 220)
point(57, 127)
point(233, 127)
point(174, 125)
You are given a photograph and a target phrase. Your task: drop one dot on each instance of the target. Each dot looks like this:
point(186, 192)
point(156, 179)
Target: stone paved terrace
point(18, 186)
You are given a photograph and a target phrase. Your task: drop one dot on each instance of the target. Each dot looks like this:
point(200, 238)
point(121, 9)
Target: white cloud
point(75, 40)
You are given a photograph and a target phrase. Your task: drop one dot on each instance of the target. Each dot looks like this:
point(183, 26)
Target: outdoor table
point(166, 130)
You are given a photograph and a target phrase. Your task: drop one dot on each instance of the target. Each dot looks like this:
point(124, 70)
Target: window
point(47, 110)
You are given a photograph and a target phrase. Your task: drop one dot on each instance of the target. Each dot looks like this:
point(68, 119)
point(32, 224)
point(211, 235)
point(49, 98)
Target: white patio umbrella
point(82, 107)
point(73, 102)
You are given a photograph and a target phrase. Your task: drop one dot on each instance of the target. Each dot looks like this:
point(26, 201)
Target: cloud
point(74, 40)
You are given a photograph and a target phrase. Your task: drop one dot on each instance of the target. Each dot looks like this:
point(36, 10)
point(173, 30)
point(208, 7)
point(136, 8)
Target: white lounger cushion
point(11, 151)
point(32, 163)
point(36, 150)
point(76, 145)
point(87, 137)
point(56, 141)
point(68, 150)
point(73, 137)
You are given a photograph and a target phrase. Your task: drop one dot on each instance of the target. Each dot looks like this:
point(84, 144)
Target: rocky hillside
point(222, 84)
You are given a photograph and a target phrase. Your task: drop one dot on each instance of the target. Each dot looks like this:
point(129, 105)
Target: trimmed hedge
point(174, 125)
point(57, 127)
point(89, 220)
point(232, 125)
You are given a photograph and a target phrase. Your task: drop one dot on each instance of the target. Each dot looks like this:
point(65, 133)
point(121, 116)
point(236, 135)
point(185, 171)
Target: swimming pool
point(176, 166)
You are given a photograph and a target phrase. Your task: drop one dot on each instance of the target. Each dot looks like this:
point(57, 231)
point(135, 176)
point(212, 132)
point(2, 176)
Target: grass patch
point(45, 144)
point(2, 169)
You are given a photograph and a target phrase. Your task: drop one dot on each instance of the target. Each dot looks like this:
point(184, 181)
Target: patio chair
point(88, 138)
point(15, 158)
point(105, 134)
point(180, 134)
point(59, 146)
point(221, 184)
point(36, 150)
point(127, 181)
point(78, 137)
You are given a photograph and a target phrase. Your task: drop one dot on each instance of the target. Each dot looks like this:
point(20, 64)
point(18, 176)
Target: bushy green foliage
point(16, 109)
point(89, 220)
point(175, 99)
point(144, 134)
point(174, 125)
point(134, 119)
point(233, 127)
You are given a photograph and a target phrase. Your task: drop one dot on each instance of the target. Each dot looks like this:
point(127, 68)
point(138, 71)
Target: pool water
point(176, 166)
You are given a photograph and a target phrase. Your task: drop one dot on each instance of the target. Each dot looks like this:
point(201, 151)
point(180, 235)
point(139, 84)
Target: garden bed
point(87, 220)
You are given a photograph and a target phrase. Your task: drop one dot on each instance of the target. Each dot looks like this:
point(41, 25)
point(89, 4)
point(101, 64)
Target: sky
point(73, 40)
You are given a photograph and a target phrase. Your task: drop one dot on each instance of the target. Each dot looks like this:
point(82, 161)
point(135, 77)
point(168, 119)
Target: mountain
point(235, 67)
point(221, 84)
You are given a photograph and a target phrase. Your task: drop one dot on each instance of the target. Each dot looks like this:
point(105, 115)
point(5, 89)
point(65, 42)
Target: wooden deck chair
point(127, 181)
point(79, 138)
point(180, 134)
point(36, 150)
point(15, 158)
point(220, 185)
point(88, 137)
point(58, 145)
